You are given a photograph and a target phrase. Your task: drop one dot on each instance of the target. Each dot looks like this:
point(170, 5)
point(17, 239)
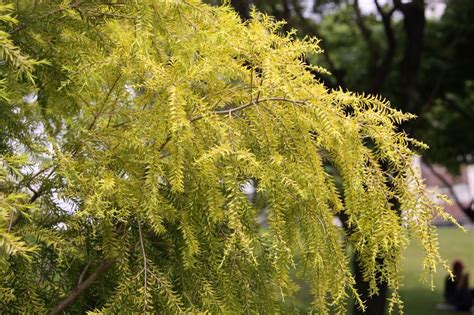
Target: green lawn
point(417, 296)
point(419, 299)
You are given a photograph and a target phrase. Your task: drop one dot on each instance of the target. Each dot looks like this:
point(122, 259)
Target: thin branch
point(106, 98)
point(11, 223)
point(33, 198)
point(40, 190)
point(80, 288)
point(117, 16)
point(145, 269)
point(83, 273)
point(253, 103)
point(162, 146)
point(251, 84)
point(259, 90)
point(37, 174)
point(229, 112)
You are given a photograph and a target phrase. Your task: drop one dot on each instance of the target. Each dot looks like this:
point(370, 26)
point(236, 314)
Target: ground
point(419, 299)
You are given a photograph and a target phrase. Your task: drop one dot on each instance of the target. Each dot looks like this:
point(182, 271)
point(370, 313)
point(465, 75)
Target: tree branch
point(365, 31)
point(83, 273)
point(367, 35)
point(236, 109)
point(80, 288)
point(145, 269)
point(106, 98)
point(384, 66)
point(467, 210)
point(414, 28)
point(252, 103)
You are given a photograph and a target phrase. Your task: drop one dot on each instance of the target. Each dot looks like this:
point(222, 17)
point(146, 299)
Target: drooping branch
point(104, 102)
point(237, 109)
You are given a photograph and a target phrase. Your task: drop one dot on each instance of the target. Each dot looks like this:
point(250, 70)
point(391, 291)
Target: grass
point(418, 297)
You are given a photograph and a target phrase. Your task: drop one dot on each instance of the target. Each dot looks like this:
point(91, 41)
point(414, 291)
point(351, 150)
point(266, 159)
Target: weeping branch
point(227, 112)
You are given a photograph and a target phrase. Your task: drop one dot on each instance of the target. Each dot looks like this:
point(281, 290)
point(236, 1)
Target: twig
point(253, 103)
point(145, 270)
point(106, 98)
point(83, 273)
point(10, 224)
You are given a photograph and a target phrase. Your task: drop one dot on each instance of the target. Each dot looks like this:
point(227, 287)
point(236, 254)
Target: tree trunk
point(414, 24)
point(375, 305)
point(242, 7)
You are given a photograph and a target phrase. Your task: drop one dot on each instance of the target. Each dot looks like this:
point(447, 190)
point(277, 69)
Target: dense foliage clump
point(129, 132)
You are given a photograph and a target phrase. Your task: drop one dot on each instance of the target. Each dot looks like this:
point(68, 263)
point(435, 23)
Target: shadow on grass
point(422, 301)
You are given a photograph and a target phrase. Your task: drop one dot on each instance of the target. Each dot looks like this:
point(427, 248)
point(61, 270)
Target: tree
point(420, 64)
point(122, 171)
point(448, 100)
point(375, 62)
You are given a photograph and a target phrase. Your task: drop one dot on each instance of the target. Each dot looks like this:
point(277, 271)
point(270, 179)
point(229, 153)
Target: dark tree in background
point(423, 65)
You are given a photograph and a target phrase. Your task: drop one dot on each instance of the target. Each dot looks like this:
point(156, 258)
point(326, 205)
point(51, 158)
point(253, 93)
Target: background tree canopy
point(128, 131)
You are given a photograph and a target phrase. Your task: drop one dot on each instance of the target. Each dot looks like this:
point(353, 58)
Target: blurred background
point(419, 55)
